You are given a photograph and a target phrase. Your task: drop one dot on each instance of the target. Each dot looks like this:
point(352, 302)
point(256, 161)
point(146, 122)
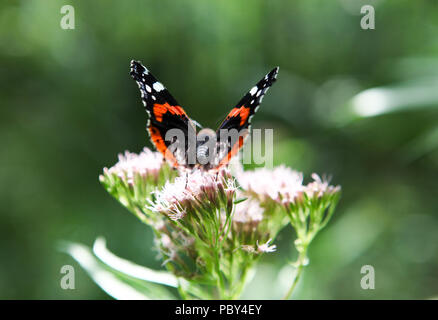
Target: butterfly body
point(174, 134)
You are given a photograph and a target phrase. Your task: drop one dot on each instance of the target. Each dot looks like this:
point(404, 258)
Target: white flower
point(193, 189)
point(174, 192)
point(279, 184)
point(170, 198)
point(261, 248)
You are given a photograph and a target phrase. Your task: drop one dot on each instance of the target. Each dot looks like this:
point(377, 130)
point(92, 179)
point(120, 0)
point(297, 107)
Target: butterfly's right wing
point(239, 118)
point(165, 114)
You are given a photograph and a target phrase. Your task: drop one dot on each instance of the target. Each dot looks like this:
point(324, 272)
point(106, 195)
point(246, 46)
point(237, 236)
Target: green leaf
point(129, 268)
point(115, 283)
point(412, 95)
point(240, 200)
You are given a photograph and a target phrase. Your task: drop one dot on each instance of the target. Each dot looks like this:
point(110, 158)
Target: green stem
point(182, 292)
point(241, 285)
point(300, 264)
point(220, 281)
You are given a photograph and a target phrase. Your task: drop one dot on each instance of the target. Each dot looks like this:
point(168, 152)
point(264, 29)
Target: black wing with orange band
point(164, 112)
point(240, 116)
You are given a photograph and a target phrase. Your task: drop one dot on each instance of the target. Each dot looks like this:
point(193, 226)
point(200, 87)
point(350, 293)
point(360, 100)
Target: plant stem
point(182, 292)
point(300, 264)
point(220, 281)
point(241, 285)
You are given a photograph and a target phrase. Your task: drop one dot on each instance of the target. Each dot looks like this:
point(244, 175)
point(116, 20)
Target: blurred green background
point(361, 105)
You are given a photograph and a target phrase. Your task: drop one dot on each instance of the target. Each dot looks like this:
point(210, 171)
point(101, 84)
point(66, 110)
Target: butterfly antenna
point(197, 124)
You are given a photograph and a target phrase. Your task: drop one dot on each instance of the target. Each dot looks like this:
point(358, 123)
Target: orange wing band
point(158, 141)
point(161, 109)
point(242, 112)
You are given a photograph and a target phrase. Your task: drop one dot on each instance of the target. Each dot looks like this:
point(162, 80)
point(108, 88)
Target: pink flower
point(279, 184)
point(248, 211)
point(146, 163)
point(247, 216)
point(320, 187)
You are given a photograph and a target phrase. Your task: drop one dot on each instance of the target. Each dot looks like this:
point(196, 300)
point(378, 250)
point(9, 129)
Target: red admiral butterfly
point(174, 134)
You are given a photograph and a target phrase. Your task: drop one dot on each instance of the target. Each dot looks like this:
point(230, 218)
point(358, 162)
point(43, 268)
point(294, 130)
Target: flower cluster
point(309, 207)
point(279, 184)
point(134, 177)
point(211, 227)
point(195, 191)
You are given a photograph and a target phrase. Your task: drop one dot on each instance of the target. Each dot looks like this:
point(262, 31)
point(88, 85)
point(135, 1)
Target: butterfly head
point(205, 145)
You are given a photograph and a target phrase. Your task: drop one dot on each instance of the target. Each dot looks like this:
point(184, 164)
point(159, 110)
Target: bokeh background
point(361, 105)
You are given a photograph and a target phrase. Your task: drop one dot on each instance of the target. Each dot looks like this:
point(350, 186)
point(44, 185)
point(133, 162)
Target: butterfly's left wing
point(165, 116)
point(239, 118)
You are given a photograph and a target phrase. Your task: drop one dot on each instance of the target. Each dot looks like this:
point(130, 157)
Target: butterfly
point(174, 134)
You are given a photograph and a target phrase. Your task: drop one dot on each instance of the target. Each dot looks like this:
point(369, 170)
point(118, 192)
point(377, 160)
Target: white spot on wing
point(158, 86)
point(148, 89)
point(253, 90)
